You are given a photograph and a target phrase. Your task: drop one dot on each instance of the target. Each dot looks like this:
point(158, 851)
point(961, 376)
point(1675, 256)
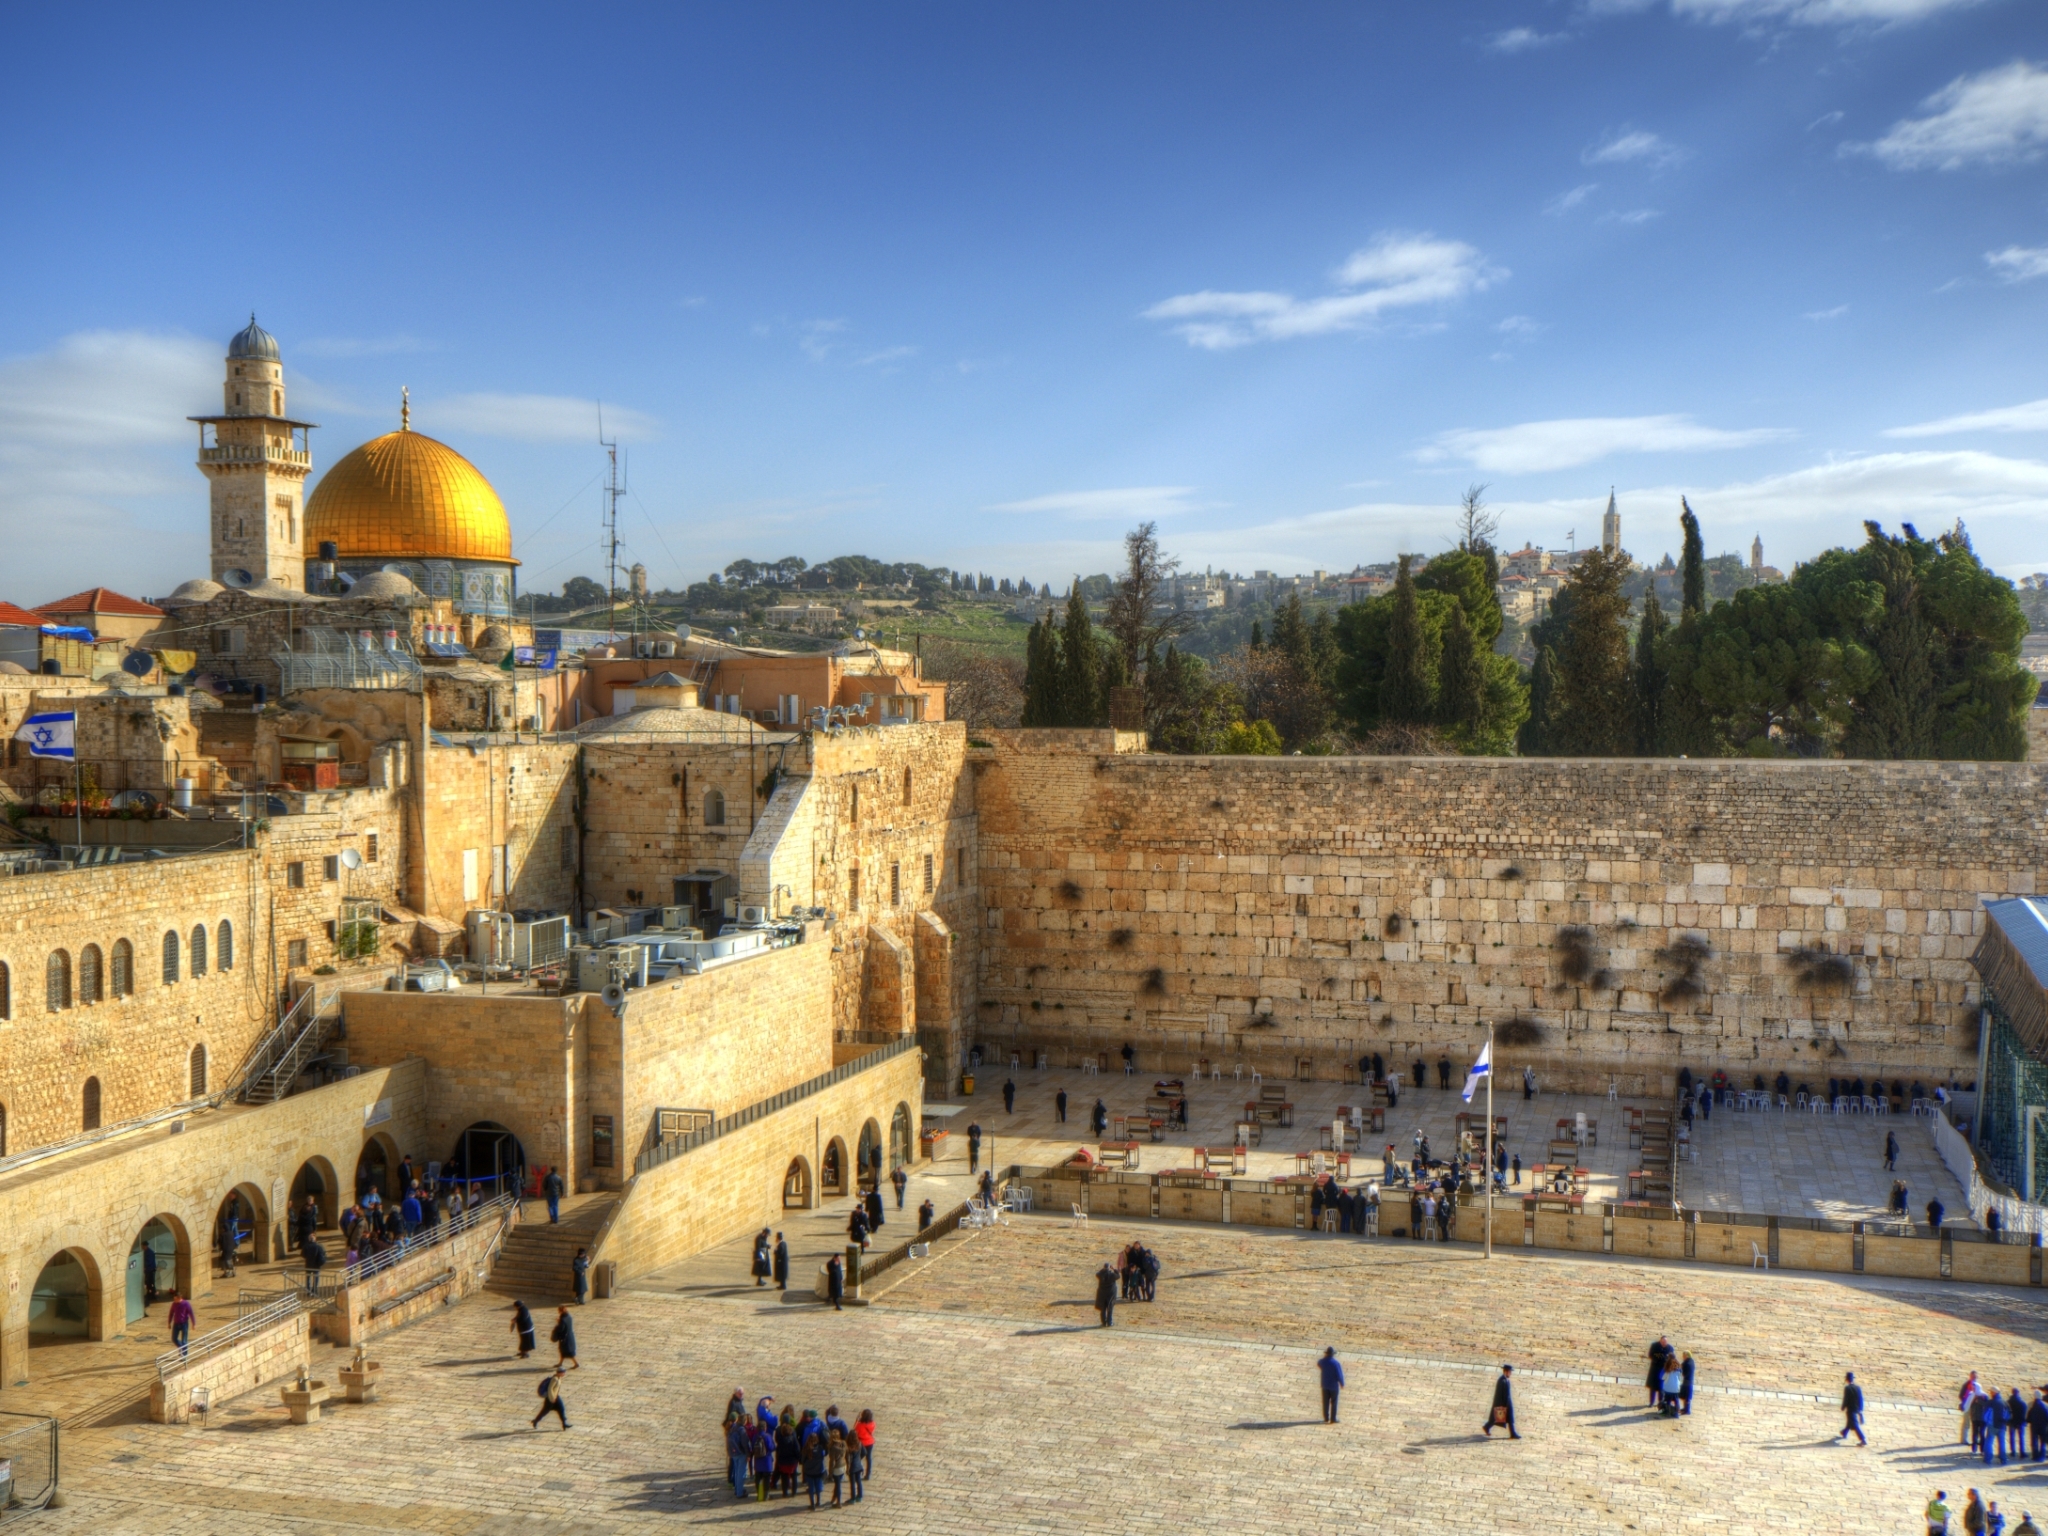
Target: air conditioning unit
point(643, 648)
point(664, 647)
point(541, 942)
point(675, 917)
point(754, 917)
point(593, 969)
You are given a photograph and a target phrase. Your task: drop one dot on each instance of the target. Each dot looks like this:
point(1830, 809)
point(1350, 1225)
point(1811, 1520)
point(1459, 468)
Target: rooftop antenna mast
point(614, 488)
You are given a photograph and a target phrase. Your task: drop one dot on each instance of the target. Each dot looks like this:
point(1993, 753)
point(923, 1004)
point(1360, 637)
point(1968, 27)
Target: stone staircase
point(533, 1265)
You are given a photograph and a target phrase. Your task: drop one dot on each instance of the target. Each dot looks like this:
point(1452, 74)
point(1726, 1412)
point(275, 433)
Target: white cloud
point(1127, 502)
point(1825, 120)
point(1522, 39)
point(1533, 447)
point(2017, 263)
point(885, 356)
point(1817, 13)
point(1828, 314)
point(531, 418)
point(1630, 146)
point(1632, 216)
point(1565, 202)
point(1396, 271)
point(817, 338)
point(2031, 417)
point(1521, 328)
point(1994, 118)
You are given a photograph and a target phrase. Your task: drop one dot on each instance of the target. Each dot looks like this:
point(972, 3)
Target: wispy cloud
point(361, 346)
point(1818, 13)
point(1522, 39)
point(1565, 202)
point(884, 357)
point(1632, 216)
point(1998, 117)
point(1131, 501)
point(1633, 146)
point(819, 337)
point(1825, 120)
point(530, 418)
point(1396, 271)
point(2018, 263)
point(1532, 447)
point(1828, 314)
point(1521, 328)
point(2031, 417)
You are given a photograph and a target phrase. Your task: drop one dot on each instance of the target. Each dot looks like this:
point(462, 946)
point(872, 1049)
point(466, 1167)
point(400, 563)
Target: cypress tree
point(1650, 678)
point(1534, 738)
point(1692, 565)
point(1896, 717)
point(1081, 700)
point(1041, 674)
point(1595, 702)
point(1461, 678)
point(1258, 637)
point(1405, 694)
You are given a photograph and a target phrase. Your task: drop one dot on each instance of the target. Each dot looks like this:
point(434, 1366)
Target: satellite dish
point(733, 631)
point(682, 632)
point(237, 578)
point(138, 663)
point(614, 997)
point(350, 859)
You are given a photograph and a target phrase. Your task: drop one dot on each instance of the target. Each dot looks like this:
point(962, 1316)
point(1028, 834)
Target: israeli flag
point(50, 735)
point(1481, 1070)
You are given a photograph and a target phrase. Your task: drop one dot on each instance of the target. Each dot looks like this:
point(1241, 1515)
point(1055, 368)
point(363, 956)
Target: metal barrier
point(428, 1238)
point(248, 1326)
point(28, 1463)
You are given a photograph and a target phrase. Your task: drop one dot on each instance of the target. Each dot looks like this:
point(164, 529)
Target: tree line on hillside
point(1903, 647)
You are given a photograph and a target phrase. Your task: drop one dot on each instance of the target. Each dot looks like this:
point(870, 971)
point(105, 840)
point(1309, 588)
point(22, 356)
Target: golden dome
point(404, 496)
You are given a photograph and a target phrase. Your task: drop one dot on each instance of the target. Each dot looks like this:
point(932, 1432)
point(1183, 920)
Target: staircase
point(533, 1265)
point(298, 1037)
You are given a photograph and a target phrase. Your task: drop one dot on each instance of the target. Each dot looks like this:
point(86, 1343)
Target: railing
point(674, 1124)
point(2016, 1217)
point(656, 1155)
point(251, 453)
point(428, 1238)
point(28, 1444)
point(281, 1053)
point(248, 1326)
point(247, 1301)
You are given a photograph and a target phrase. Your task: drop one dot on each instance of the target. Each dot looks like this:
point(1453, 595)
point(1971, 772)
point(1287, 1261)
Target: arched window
point(57, 981)
point(92, 1104)
point(199, 950)
point(90, 975)
point(198, 1071)
point(224, 946)
point(6, 992)
point(171, 958)
point(714, 807)
point(121, 976)
point(906, 786)
point(3, 1130)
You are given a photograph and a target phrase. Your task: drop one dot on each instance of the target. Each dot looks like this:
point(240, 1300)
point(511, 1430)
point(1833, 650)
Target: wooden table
point(1304, 1162)
point(1250, 1132)
point(1231, 1158)
point(1126, 1153)
point(1262, 1109)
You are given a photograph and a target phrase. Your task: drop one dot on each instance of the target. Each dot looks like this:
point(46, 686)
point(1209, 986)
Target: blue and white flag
point(1481, 1069)
point(50, 735)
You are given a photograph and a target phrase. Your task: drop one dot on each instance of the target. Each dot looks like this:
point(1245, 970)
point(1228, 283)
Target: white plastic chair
point(1080, 1216)
point(1016, 1061)
point(1021, 1196)
point(1240, 1072)
point(1090, 1069)
point(1758, 1259)
point(1784, 1105)
point(1613, 1090)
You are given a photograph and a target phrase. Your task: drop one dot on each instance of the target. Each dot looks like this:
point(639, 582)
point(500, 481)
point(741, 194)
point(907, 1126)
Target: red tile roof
point(101, 600)
point(9, 614)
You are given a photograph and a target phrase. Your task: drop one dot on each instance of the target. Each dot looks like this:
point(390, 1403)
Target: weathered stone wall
point(275, 1354)
point(366, 1309)
point(645, 818)
point(1245, 908)
point(514, 797)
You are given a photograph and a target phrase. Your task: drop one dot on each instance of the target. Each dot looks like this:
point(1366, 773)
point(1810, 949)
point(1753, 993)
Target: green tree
point(1978, 627)
point(1594, 710)
point(1461, 679)
point(1186, 710)
point(1774, 672)
point(1042, 672)
point(1692, 564)
point(1650, 678)
point(1082, 702)
point(1407, 692)
point(1538, 730)
point(1255, 738)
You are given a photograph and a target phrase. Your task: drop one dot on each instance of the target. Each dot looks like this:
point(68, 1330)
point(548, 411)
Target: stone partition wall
point(1638, 915)
point(357, 1317)
point(275, 1354)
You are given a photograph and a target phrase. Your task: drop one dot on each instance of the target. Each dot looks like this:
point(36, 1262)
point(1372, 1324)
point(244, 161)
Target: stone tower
point(1756, 556)
point(257, 459)
point(1610, 526)
point(636, 583)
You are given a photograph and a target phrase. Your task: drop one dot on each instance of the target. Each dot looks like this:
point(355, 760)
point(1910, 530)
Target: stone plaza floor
point(1002, 1407)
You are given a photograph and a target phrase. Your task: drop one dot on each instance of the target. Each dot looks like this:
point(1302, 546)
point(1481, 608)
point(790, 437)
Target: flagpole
point(78, 794)
point(1489, 1140)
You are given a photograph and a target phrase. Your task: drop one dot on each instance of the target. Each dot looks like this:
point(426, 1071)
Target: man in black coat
point(1059, 1105)
point(781, 1263)
point(1935, 1211)
point(1105, 1294)
point(835, 1282)
point(973, 1146)
point(902, 1182)
point(1443, 1072)
point(1100, 1119)
point(874, 1203)
point(1852, 1409)
point(1659, 1353)
point(305, 1222)
point(1503, 1409)
point(857, 1225)
point(1009, 1096)
point(925, 1213)
point(2037, 1427)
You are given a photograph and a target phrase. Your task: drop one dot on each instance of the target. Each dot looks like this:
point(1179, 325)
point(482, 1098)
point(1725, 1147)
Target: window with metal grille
point(295, 952)
point(57, 981)
point(330, 867)
point(369, 847)
point(927, 874)
point(853, 888)
point(198, 1071)
point(895, 884)
point(295, 875)
point(714, 808)
point(89, 972)
point(170, 959)
point(199, 950)
point(6, 992)
point(121, 974)
point(224, 947)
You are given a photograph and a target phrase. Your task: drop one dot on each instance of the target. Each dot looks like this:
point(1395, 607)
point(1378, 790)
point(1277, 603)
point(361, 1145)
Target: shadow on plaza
point(1277, 1423)
point(668, 1492)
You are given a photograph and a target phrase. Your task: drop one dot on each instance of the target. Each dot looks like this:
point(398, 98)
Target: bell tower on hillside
point(257, 459)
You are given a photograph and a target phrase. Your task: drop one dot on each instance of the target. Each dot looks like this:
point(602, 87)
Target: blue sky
point(981, 287)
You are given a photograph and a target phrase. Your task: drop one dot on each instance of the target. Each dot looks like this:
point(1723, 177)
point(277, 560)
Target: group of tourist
point(769, 1449)
point(2003, 1427)
point(1718, 1087)
point(1133, 1275)
point(1670, 1379)
point(1977, 1516)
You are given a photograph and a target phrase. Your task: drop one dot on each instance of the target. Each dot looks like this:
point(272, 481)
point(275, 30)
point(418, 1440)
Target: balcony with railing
point(256, 453)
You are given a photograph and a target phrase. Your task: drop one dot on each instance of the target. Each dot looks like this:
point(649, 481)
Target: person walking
point(1331, 1370)
point(551, 1187)
point(925, 1213)
point(305, 1222)
point(522, 1324)
point(1105, 1294)
point(1935, 1211)
point(1973, 1511)
point(579, 1275)
point(781, 1263)
point(1852, 1409)
point(551, 1399)
point(1099, 1119)
point(835, 1282)
point(563, 1335)
point(763, 1268)
point(1009, 1096)
point(1891, 1152)
point(1685, 1371)
point(974, 1146)
point(901, 1181)
point(1059, 1104)
point(315, 1253)
point(874, 1204)
point(181, 1315)
point(1502, 1414)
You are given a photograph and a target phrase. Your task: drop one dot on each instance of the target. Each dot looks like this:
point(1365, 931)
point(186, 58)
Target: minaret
point(257, 459)
point(1756, 556)
point(1610, 526)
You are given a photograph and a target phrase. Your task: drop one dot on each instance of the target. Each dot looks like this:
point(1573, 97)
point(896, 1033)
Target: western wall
point(1630, 917)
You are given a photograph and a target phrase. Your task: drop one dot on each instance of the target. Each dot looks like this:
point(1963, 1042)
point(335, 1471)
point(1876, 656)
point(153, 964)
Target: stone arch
point(89, 1107)
point(57, 981)
point(171, 957)
point(121, 970)
point(196, 949)
point(316, 1178)
point(798, 1193)
point(166, 1236)
point(377, 1167)
point(68, 1299)
point(833, 1170)
point(251, 1208)
point(490, 1152)
point(868, 1160)
point(714, 807)
point(91, 975)
point(902, 1139)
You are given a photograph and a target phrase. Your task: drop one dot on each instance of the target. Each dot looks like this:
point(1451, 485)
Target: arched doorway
point(489, 1158)
point(159, 1262)
point(832, 1175)
point(796, 1186)
point(250, 1213)
point(375, 1170)
point(65, 1303)
point(869, 1167)
point(316, 1178)
point(900, 1143)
